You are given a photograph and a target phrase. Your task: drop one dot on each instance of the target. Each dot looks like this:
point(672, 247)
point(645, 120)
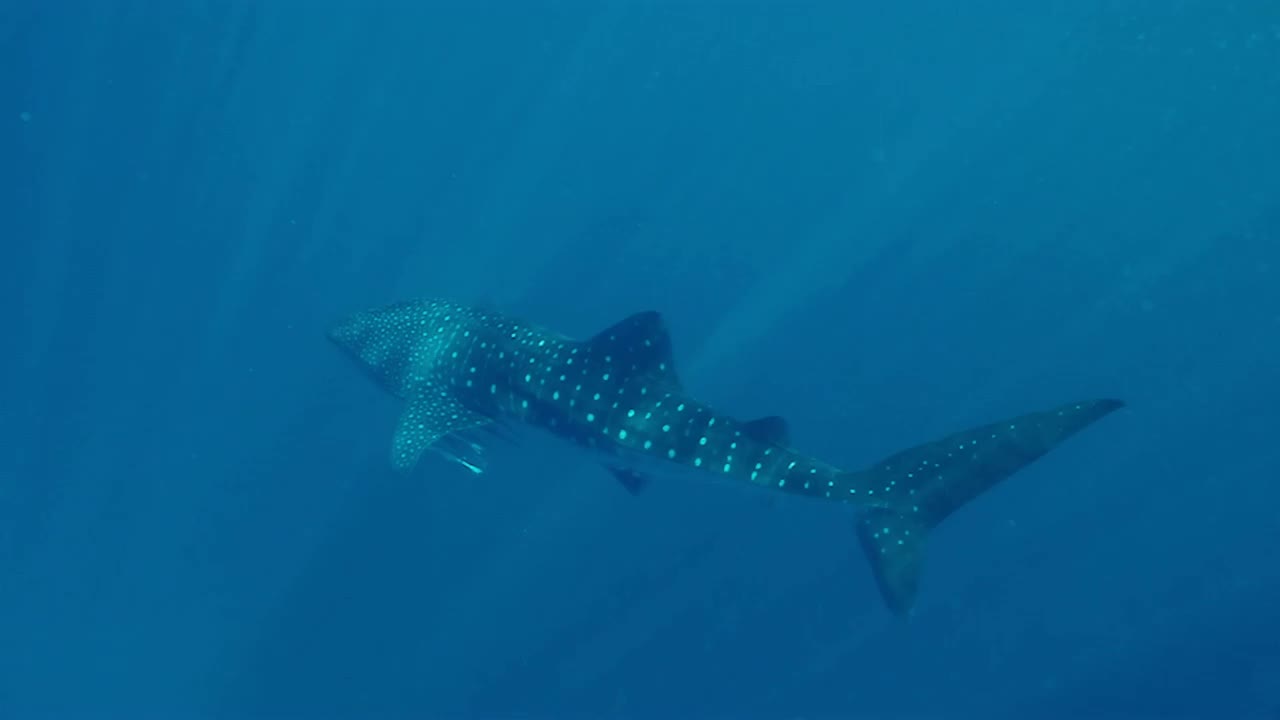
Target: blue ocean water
point(883, 221)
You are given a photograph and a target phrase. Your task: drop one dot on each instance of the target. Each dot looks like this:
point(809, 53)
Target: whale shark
point(465, 372)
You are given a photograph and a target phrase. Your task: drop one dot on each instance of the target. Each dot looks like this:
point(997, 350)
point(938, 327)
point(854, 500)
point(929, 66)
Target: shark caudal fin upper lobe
point(922, 485)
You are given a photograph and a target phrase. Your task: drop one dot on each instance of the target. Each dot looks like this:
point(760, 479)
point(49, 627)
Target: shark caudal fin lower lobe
point(916, 489)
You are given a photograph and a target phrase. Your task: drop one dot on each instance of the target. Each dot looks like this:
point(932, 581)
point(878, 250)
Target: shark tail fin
point(911, 492)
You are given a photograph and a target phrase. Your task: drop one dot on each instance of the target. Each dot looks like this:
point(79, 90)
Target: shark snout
point(348, 331)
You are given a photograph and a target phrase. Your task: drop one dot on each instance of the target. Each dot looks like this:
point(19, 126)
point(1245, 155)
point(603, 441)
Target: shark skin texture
point(462, 371)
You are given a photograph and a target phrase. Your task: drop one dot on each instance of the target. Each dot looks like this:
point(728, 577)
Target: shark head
point(368, 337)
point(355, 331)
point(397, 342)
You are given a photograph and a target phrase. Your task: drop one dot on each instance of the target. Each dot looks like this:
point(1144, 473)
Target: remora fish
point(461, 368)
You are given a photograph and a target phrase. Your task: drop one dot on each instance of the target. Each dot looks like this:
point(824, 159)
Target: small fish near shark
point(460, 369)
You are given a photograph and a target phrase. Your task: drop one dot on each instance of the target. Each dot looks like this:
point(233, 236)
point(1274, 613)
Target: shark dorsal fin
point(639, 346)
point(769, 429)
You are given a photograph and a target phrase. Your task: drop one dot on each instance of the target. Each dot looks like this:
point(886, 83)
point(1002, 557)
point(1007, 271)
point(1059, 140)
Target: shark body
point(460, 369)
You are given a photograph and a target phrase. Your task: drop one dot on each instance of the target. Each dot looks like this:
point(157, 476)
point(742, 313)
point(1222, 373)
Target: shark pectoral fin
point(633, 481)
point(428, 416)
point(911, 492)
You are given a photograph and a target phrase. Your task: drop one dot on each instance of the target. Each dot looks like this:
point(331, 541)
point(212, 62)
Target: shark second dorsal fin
point(770, 429)
point(430, 413)
point(639, 346)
